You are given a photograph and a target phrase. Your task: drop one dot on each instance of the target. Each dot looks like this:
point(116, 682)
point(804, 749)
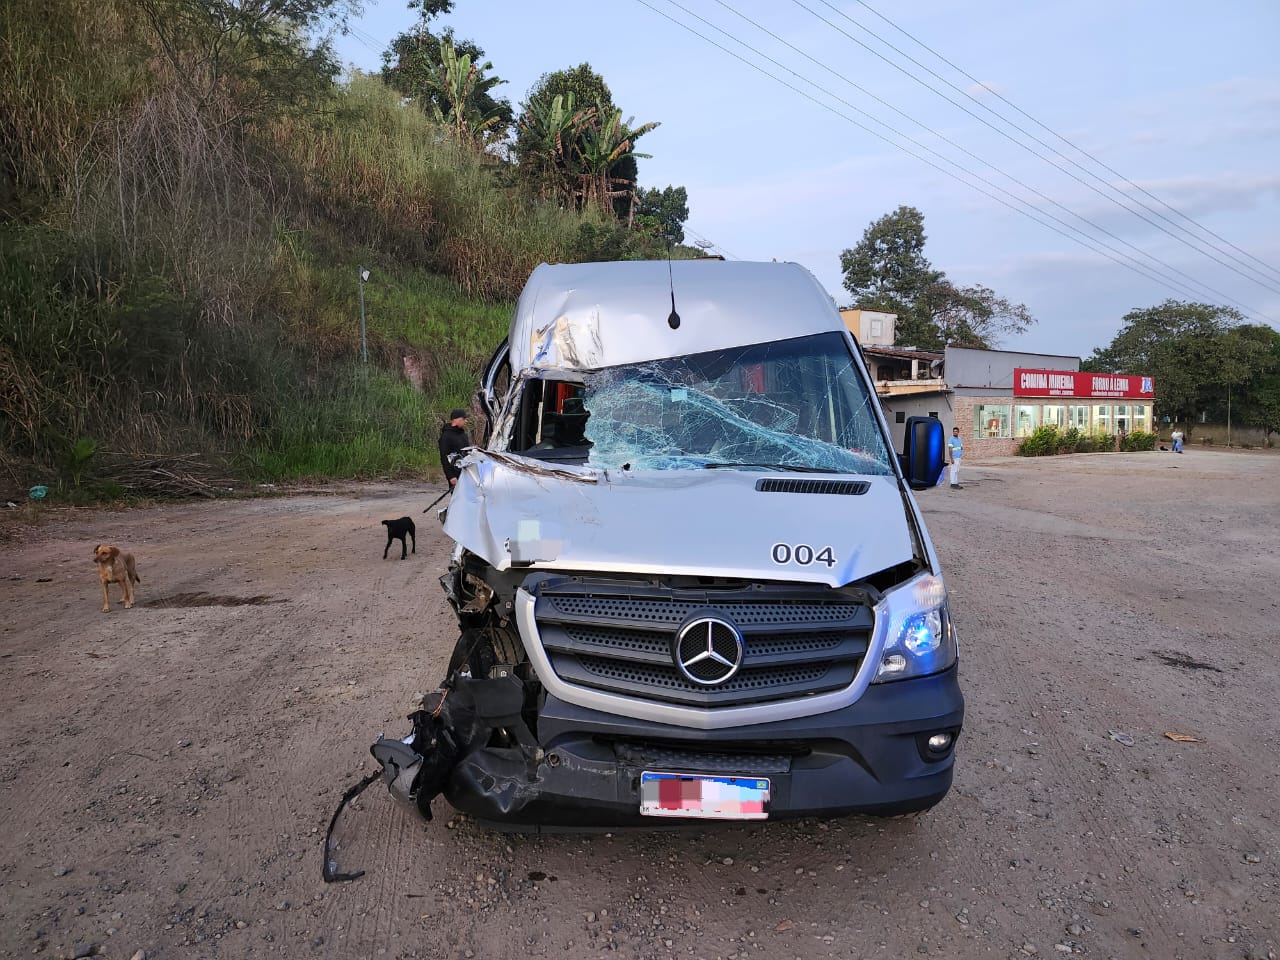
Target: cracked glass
point(791, 405)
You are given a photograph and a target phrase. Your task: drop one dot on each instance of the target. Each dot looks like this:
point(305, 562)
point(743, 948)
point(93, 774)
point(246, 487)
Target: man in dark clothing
point(453, 440)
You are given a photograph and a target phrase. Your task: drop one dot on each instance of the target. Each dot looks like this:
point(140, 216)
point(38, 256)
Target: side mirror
point(923, 452)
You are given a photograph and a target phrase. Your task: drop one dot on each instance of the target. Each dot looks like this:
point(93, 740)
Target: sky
point(1179, 99)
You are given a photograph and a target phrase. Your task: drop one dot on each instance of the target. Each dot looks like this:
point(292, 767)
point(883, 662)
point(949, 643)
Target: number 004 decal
point(802, 554)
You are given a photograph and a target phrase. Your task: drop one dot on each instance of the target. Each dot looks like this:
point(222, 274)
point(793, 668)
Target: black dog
point(396, 530)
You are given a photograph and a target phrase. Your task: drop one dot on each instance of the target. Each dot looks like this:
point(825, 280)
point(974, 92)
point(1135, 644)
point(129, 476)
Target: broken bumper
point(584, 769)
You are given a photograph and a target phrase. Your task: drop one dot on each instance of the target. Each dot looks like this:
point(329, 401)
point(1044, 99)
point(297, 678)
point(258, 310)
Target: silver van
point(690, 575)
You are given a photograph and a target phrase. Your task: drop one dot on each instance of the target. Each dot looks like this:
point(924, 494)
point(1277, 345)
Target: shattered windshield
point(790, 405)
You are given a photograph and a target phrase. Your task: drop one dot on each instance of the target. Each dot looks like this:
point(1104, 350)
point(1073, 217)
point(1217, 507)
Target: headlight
point(921, 638)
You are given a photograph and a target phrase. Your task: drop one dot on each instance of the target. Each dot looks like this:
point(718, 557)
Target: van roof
point(584, 316)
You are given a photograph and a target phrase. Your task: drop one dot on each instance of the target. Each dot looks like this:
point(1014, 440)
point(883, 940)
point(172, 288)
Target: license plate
point(713, 798)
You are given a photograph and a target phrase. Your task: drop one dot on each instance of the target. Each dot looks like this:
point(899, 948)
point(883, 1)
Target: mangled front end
point(574, 590)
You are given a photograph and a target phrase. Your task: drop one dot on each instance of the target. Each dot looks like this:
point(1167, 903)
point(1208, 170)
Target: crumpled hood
point(515, 511)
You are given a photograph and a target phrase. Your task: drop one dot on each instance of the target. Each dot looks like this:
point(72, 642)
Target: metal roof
point(906, 353)
point(584, 316)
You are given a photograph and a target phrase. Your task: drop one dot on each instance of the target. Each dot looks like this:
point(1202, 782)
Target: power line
point(1135, 267)
point(1089, 242)
point(366, 40)
point(1009, 137)
point(1051, 131)
point(951, 142)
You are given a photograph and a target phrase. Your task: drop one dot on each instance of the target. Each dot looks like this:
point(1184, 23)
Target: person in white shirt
point(956, 446)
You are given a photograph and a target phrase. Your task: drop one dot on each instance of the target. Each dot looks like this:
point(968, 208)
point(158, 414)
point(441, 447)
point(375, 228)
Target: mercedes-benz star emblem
point(708, 650)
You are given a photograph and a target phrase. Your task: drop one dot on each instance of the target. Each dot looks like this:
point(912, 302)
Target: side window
point(524, 432)
point(551, 416)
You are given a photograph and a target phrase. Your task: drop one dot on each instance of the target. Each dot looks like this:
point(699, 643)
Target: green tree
point(586, 153)
point(888, 271)
point(663, 212)
point(584, 85)
point(974, 315)
point(428, 69)
point(253, 59)
point(1199, 354)
point(1258, 402)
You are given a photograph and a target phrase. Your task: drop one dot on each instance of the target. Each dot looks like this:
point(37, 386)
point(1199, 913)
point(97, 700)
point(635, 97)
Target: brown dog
point(115, 567)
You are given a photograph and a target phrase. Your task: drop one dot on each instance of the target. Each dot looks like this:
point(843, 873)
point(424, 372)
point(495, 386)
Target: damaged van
point(690, 576)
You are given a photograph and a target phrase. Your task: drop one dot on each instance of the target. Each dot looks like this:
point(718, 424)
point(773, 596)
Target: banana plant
point(557, 127)
point(458, 80)
point(602, 145)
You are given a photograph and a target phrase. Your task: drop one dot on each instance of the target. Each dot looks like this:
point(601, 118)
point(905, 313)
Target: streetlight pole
point(364, 343)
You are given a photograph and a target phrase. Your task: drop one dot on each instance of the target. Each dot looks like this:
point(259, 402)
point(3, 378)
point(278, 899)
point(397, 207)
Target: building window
point(1102, 418)
point(1139, 417)
point(1078, 418)
point(900, 416)
point(991, 421)
point(877, 328)
point(934, 414)
point(1052, 416)
point(1025, 420)
point(1122, 418)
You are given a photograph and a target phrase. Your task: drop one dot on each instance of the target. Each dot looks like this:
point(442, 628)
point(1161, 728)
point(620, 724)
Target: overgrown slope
point(183, 221)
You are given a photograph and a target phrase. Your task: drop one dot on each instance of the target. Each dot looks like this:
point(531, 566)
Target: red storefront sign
point(1067, 383)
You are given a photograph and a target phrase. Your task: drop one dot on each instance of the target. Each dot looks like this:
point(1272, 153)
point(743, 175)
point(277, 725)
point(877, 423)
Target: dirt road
point(167, 772)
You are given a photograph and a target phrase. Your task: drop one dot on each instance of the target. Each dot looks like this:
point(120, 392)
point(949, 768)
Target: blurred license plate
point(690, 795)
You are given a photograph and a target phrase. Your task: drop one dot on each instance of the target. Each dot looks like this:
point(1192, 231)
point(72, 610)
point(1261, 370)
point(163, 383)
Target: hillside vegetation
point(187, 197)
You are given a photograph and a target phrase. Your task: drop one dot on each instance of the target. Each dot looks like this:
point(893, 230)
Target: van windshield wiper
point(791, 467)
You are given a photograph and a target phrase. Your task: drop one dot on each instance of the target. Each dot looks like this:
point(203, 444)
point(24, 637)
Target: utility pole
point(364, 343)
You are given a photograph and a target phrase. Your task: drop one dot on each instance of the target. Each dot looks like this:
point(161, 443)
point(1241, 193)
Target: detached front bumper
point(583, 768)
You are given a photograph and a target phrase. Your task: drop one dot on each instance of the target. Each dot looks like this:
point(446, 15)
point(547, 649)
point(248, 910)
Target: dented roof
point(584, 316)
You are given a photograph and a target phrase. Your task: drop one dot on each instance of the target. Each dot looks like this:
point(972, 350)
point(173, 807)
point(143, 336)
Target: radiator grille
point(620, 639)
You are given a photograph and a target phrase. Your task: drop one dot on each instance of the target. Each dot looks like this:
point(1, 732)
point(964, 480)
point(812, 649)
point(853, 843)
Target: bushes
point(1042, 443)
point(1048, 440)
point(1139, 440)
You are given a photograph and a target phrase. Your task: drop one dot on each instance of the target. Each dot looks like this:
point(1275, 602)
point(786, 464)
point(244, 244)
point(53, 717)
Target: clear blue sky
point(1181, 98)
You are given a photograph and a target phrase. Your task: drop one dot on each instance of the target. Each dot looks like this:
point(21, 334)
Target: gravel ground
point(167, 772)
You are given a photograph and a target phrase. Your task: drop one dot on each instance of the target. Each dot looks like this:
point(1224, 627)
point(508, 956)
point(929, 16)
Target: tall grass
point(68, 68)
point(361, 423)
point(178, 273)
point(93, 345)
point(390, 179)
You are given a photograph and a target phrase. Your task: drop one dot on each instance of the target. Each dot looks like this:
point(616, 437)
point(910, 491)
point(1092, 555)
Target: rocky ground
point(167, 772)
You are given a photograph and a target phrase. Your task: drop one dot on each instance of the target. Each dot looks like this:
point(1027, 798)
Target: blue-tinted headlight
point(921, 638)
point(923, 633)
